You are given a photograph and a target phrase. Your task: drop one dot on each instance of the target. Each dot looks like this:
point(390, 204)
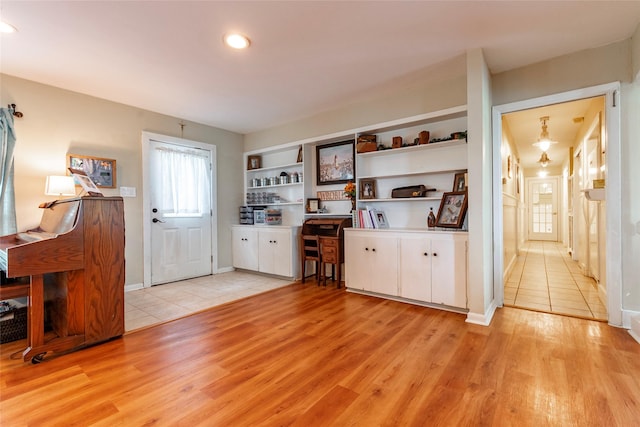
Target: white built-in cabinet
point(371, 261)
point(406, 261)
point(415, 265)
point(266, 249)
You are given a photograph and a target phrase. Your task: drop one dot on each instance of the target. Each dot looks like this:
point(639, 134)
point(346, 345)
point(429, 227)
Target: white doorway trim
point(613, 190)
point(146, 207)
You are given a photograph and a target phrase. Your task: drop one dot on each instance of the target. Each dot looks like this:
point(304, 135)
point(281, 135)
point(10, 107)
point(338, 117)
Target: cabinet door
point(449, 272)
point(383, 270)
point(415, 267)
point(275, 252)
point(244, 247)
point(371, 262)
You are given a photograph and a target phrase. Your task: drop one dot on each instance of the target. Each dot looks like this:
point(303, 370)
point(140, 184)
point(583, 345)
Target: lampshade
point(544, 160)
point(60, 186)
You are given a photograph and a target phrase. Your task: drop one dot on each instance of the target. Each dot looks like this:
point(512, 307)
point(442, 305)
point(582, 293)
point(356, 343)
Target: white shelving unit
point(433, 165)
point(289, 197)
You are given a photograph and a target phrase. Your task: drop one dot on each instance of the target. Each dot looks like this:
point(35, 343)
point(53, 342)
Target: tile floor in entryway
point(161, 303)
point(545, 278)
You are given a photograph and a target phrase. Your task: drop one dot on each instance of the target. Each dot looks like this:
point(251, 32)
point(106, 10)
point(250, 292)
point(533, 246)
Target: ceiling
point(563, 126)
point(306, 57)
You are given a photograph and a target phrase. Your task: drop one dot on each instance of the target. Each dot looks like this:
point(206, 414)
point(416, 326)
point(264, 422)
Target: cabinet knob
point(373, 250)
point(425, 254)
point(366, 249)
point(435, 254)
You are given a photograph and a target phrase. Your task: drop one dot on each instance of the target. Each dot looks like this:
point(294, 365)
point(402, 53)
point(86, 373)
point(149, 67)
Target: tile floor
point(149, 306)
point(545, 278)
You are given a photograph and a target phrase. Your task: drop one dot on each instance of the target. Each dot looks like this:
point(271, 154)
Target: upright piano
point(330, 231)
point(75, 264)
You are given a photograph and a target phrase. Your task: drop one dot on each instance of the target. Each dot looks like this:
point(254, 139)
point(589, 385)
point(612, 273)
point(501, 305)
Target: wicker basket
point(15, 328)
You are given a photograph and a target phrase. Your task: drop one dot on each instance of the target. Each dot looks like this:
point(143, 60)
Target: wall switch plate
point(128, 191)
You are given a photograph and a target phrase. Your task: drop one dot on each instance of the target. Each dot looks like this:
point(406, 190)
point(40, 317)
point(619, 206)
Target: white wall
point(57, 122)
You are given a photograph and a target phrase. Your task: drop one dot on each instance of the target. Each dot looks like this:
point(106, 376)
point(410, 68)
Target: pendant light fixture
point(544, 142)
point(544, 159)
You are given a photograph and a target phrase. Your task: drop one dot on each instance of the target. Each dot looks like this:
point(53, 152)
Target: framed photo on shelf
point(101, 171)
point(453, 208)
point(460, 182)
point(380, 219)
point(313, 205)
point(335, 163)
point(254, 162)
point(367, 189)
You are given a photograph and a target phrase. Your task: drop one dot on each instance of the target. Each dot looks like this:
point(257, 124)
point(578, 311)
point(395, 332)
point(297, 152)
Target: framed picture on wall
point(335, 163)
point(101, 171)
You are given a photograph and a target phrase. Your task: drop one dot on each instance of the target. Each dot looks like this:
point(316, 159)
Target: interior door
point(542, 204)
point(181, 215)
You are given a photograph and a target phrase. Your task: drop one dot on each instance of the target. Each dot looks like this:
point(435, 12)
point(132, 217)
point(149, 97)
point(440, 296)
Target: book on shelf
point(369, 218)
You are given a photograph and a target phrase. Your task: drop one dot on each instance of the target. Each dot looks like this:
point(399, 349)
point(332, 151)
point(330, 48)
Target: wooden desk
point(330, 231)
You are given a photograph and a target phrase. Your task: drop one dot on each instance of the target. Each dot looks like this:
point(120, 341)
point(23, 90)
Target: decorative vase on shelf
point(431, 219)
point(353, 204)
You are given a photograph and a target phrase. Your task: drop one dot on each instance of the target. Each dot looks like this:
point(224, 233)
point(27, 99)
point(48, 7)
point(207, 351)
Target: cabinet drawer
point(329, 254)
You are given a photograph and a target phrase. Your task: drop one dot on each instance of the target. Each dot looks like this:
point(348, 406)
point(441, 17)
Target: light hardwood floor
point(304, 355)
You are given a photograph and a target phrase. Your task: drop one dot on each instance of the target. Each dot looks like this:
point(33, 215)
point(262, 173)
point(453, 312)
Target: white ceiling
point(306, 57)
point(525, 128)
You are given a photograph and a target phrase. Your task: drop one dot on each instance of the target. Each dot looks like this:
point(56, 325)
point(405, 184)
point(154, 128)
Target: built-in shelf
point(401, 199)
point(290, 165)
point(273, 186)
point(275, 204)
point(431, 146)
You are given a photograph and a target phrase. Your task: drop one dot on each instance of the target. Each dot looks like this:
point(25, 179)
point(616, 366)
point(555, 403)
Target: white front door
point(180, 211)
point(542, 206)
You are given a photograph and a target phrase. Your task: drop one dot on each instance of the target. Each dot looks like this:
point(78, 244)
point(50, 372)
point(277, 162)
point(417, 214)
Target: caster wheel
point(37, 358)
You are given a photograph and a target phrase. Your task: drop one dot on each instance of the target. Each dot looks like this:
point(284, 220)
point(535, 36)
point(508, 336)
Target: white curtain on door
point(7, 194)
point(184, 174)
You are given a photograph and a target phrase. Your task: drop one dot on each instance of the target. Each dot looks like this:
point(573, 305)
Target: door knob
point(157, 220)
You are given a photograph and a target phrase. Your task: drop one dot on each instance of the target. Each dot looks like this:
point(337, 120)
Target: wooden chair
point(310, 251)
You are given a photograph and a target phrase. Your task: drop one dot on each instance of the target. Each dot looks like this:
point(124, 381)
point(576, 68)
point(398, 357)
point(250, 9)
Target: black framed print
point(335, 163)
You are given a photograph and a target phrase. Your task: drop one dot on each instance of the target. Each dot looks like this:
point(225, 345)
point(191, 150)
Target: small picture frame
point(367, 189)
point(83, 180)
point(254, 162)
point(453, 208)
point(101, 171)
point(313, 205)
point(299, 159)
point(460, 182)
point(380, 219)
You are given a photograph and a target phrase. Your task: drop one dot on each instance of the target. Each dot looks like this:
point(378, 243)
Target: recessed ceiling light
point(237, 41)
point(7, 28)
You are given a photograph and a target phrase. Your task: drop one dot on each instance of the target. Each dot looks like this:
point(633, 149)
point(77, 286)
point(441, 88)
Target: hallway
point(545, 278)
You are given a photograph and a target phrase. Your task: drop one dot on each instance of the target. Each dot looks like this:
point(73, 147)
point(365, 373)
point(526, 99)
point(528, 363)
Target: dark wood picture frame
point(335, 163)
point(100, 170)
point(313, 205)
point(367, 189)
point(254, 162)
point(459, 182)
point(453, 208)
point(299, 158)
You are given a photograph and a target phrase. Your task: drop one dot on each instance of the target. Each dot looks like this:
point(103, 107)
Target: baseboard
point(483, 319)
point(133, 287)
point(635, 328)
point(628, 319)
point(225, 270)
